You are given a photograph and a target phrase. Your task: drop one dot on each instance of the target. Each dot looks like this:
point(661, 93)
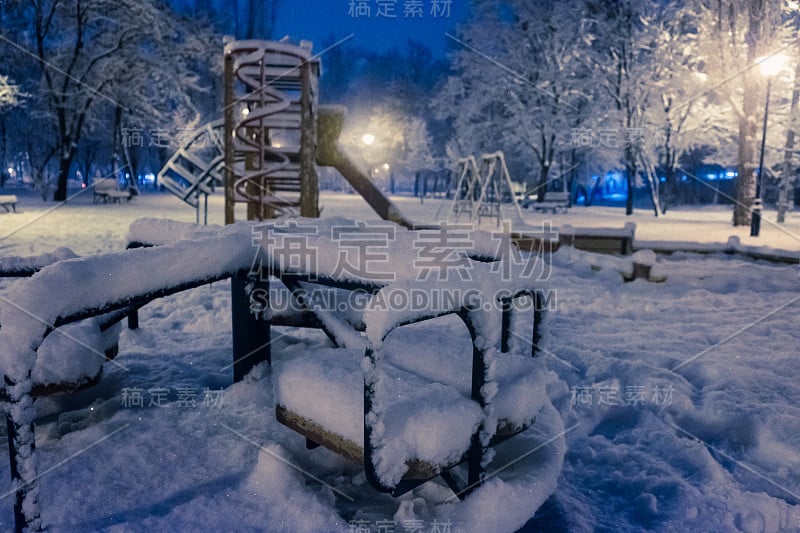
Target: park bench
point(554, 202)
point(9, 202)
point(106, 191)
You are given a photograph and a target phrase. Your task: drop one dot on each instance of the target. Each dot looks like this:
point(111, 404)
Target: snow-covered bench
point(451, 397)
point(9, 202)
point(554, 201)
point(615, 241)
point(373, 407)
point(106, 191)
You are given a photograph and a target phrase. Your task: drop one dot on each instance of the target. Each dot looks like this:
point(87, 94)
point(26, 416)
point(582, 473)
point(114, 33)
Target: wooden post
point(505, 325)
point(133, 319)
point(228, 141)
point(309, 180)
point(251, 335)
point(538, 315)
point(330, 125)
point(253, 161)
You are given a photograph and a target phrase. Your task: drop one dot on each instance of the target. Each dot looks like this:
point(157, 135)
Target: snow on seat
point(73, 356)
point(426, 424)
point(429, 418)
point(521, 379)
point(428, 414)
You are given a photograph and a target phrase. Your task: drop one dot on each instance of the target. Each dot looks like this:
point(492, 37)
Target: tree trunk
point(573, 173)
point(669, 160)
point(545, 164)
point(541, 187)
point(652, 182)
point(785, 188)
point(670, 190)
point(630, 177)
point(746, 181)
point(64, 164)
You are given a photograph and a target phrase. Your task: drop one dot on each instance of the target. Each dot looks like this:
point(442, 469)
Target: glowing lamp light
point(386, 166)
point(772, 65)
point(245, 112)
point(368, 139)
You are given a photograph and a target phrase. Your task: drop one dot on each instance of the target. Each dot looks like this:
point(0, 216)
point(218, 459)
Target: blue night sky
point(318, 20)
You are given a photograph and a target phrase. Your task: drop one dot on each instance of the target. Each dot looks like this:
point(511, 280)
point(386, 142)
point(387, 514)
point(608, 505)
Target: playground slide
point(186, 179)
point(331, 122)
point(378, 201)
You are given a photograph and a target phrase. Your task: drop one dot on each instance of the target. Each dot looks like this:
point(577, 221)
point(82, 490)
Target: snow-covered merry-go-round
point(427, 374)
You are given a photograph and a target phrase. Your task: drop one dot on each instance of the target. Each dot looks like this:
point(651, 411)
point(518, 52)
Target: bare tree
point(687, 113)
point(84, 47)
point(745, 31)
point(520, 83)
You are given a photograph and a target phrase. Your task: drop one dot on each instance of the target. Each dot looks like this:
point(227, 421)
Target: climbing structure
point(270, 129)
point(266, 149)
point(195, 169)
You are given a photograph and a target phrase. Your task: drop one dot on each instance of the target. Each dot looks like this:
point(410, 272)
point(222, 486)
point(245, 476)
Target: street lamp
point(368, 139)
point(769, 66)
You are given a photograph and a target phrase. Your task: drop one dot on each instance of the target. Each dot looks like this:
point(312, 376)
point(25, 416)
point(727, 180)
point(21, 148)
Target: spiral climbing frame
point(271, 100)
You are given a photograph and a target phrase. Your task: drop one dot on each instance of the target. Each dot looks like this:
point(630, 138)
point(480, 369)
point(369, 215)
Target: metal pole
point(755, 220)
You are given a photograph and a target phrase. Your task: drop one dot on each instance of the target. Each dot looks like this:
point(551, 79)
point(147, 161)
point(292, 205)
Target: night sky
point(318, 20)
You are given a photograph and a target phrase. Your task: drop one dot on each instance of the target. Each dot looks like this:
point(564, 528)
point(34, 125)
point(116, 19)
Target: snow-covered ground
point(90, 228)
point(681, 399)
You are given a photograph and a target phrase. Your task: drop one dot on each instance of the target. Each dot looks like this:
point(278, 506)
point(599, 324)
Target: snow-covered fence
point(23, 267)
point(733, 246)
